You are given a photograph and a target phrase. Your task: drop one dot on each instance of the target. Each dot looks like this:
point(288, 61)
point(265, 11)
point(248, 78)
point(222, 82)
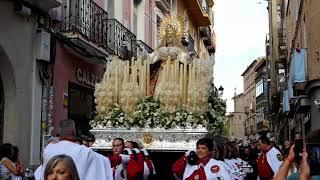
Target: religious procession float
point(164, 100)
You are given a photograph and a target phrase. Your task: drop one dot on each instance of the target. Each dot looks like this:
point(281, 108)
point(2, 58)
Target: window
point(259, 88)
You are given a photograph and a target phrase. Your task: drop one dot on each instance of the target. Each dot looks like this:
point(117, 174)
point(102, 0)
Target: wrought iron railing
point(121, 41)
point(88, 19)
point(204, 31)
point(144, 46)
point(207, 40)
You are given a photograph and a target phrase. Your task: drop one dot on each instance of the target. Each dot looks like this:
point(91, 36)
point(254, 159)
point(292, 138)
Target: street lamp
point(220, 89)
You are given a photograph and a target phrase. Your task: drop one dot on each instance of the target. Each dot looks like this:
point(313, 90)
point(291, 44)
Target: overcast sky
point(241, 27)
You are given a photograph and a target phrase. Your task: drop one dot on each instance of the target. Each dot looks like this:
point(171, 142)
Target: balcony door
point(80, 13)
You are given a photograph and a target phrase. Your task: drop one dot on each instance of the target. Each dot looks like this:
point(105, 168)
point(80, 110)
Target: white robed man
point(90, 165)
point(270, 159)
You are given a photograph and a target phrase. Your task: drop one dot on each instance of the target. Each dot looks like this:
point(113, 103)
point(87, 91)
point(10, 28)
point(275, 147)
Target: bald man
point(90, 165)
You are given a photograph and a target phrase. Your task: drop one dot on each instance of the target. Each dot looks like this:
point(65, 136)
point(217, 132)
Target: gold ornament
point(170, 31)
point(147, 138)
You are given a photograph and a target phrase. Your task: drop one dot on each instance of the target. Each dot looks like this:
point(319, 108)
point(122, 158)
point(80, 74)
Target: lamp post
point(220, 89)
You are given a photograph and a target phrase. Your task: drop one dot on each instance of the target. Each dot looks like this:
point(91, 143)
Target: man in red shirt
point(118, 161)
point(269, 160)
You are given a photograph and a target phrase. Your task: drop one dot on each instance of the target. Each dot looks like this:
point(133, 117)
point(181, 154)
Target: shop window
point(81, 107)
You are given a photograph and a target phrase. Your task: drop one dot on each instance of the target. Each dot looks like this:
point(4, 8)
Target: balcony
point(45, 5)
point(212, 47)
point(85, 30)
point(121, 41)
point(199, 10)
point(204, 31)
point(282, 45)
point(163, 5)
point(207, 41)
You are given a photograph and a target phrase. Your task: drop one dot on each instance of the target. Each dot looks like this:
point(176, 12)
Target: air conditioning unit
point(21, 9)
point(42, 45)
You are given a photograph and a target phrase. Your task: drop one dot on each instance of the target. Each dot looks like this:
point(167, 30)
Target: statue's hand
point(153, 58)
point(165, 52)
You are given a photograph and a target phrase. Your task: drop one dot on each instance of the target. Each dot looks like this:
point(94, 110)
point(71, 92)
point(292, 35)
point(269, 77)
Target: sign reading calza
point(87, 77)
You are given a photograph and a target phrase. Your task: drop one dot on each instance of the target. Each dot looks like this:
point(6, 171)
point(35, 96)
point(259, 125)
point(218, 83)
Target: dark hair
point(234, 150)
point(264, 139)
point(207, 142)
point(134, 144)
point(15, 156)
point(119, 139)
point(84, 137)
point(68, 162)
point(6, 150)
point(79, 140)
point(220, 144)
point(230, 150)
point(91, 137)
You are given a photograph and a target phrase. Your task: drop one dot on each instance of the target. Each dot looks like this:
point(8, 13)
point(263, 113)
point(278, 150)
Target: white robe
point(273, 159)
point(146, 170)
point(221, 174)
point(90, 165)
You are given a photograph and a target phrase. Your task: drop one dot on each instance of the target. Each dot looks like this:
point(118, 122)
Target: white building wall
point(18, 73)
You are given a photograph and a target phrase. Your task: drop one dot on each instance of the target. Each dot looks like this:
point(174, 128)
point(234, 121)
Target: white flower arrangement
point(148, 114)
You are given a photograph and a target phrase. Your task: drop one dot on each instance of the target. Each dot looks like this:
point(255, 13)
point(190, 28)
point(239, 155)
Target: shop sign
point(87, 78)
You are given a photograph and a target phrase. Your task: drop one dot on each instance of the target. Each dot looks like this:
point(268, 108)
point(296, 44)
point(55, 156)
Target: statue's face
point(169, 39)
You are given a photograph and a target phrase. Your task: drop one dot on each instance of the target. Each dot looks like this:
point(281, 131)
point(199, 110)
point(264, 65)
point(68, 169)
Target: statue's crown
point(170, 25)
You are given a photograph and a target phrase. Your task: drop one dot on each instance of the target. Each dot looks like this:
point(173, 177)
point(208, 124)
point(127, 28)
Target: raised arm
point(284, 168)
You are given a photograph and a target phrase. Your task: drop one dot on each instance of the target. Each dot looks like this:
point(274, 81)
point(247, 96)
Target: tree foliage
point(216, 114)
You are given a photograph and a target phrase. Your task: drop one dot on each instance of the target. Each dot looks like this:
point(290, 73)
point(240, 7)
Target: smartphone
point(313, 151)
point(298, 148)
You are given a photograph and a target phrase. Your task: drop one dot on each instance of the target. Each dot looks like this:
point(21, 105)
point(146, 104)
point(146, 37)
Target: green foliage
point(216, 113)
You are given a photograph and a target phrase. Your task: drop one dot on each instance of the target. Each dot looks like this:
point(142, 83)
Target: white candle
point(116, 84)
point(185, 85)
point(134, 72)
point(190, 74)
point(199, 72)
point(144, 77)
point(148, 78)
point(194, 73)
point(168, 72)
point(128, 71)
point(140, 77)
point(181, 84)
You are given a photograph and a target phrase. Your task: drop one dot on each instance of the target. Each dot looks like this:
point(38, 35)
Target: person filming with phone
point(305, 156)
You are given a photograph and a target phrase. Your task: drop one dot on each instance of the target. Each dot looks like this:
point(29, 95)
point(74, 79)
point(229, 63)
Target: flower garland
point(149, 115)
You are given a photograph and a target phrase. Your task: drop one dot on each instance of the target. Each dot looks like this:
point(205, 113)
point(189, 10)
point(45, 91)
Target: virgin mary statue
point(169, 50)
